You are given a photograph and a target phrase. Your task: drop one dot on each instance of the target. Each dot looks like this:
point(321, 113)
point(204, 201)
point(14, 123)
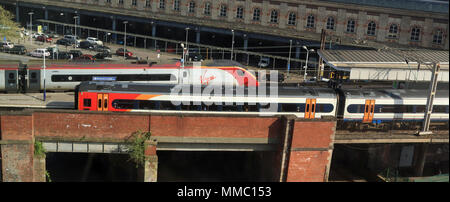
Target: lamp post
point(31, 27)
point(289, 59)
point(44, 75)
point(182, 64)
point(232, 44)
point(62, 14)
point(187, 46)
point(125, 39)
point(75, 23)
point(306, 65)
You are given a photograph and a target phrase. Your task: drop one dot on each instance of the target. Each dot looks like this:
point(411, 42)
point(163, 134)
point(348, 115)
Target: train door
point(34, 81)
point(310, 109)
point(369, 109)
point(102, 102)
point(11, 81)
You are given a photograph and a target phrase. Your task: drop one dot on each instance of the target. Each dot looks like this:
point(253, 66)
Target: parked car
point(194, 56)
point(44, 38)
point(40, 52)
point(94, 41)
point(102, 55)
point(127, 53)
point(87, 45)
point(102, 49)
point(86, 57)
point(74, 39)
point(75, 53)
point(18, 49)
point(64, 42)
point(7, 45)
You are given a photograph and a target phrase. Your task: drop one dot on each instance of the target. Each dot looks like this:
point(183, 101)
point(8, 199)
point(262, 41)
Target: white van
point(94, 40)
point(40, 53)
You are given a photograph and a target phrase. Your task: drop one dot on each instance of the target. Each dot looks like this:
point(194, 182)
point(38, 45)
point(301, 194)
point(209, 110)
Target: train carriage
point(393, 107)
point(303, 102)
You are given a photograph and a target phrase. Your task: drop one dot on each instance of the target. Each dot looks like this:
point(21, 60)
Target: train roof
point(392, 93)
point(129, 87)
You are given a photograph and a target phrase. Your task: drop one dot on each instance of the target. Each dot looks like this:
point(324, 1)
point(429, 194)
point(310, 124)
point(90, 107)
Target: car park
point(40, 52)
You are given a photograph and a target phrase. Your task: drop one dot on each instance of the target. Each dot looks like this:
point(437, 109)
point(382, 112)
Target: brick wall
point(310, 151)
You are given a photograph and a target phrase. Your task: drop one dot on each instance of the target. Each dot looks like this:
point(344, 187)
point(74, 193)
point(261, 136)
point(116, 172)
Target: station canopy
point(388, 65)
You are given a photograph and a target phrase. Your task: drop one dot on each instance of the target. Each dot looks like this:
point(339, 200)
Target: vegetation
point(8, 28)
point(39, 150)
point(136, 145)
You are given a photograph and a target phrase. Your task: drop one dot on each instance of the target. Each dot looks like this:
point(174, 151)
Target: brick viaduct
point(302, 148)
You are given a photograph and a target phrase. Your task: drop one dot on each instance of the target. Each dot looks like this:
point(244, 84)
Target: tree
point(8, 28)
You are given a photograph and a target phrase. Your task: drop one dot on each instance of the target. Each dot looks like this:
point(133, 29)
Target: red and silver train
point(64, 77)
point(352, 107)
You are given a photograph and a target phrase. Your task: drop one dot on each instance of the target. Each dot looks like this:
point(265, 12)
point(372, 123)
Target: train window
point(440, 109)
point(324, 108)
point(287, 107)
point(33, 75)
point(105, 105)
point(355, 108)
point(122, 77)
point(124, 104)
point(99, 104)
point(147, 104)
point(420, 109)
point(232, 107)
point(240, 72)
point(211, 107)
point(87, 102)
point(11, 75)
point(167, 105)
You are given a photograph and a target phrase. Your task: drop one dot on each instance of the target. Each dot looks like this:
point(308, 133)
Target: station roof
point(395, 65)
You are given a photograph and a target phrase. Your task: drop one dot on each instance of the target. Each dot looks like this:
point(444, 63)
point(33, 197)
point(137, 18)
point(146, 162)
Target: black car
point(63, 55)
point(102, 55)
point(64, 42)
point(102, 49)
point(17, 49)
point(87, 45)
point(75, 53)
point(194, 56)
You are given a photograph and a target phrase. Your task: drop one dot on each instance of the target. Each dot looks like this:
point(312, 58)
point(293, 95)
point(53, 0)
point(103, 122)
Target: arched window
point(274, 16)
point(147, 3)
point(310, 21)
point(438, 36)
point(192, 7)
point(120, 1)
point(240, 12)
point(207, 10)
point(371, 28)
point(256, 14)
point(292, 18)
point(393, 31)
point(351, 26)
point(134, 2)
point(415, 34)
point(223, 10)
point(330, 23)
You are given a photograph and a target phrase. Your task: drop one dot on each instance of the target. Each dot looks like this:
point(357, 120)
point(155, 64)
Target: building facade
point(417, 24)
